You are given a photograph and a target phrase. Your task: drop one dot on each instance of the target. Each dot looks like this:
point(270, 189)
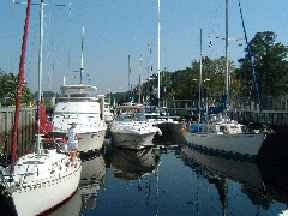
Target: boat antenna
point(82, 60)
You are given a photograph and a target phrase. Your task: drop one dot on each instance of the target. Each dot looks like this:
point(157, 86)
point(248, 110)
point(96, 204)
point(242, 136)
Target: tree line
point(269, 63)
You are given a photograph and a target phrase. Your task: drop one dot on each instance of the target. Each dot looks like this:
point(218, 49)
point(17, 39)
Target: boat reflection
point(218, 170)
point(92, 179)
point(131, 164)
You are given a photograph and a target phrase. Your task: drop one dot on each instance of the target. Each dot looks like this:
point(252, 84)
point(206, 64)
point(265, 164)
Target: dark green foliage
point(8, 89)
point(270, 64)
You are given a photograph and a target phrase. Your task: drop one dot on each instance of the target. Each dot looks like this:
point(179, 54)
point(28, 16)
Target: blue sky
point(115, 29)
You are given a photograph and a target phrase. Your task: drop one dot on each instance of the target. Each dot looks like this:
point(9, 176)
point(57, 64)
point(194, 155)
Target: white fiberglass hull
point(243, 143)
point(38, 200)
point(39, 184)
point(133, 140)
point(91, 141)
point(88, 141)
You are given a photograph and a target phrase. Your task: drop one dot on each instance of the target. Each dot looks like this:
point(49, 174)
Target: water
point(175, 181)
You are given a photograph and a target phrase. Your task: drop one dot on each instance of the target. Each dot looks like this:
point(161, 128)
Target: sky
point(115, 29)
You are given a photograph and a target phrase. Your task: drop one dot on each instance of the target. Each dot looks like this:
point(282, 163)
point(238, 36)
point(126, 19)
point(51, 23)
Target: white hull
point(88, 141)
point(40, 183)
point(71, 208)
point(38, 200)
point(91, 128)
point(91, 141)
point(132, 140)
point(243, 143)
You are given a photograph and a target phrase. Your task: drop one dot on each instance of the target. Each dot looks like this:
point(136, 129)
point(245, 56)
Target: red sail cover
point(45, 126)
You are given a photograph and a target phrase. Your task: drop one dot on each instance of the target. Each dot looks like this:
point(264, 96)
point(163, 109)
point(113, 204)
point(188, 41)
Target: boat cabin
point(78, 93)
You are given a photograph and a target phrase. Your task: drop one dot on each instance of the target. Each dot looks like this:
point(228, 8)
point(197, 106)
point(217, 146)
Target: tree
point(270, 64)
point(8, 88)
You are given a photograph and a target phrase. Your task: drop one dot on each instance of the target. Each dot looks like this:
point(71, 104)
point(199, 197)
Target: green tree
point(8, 88)
point(270, 64)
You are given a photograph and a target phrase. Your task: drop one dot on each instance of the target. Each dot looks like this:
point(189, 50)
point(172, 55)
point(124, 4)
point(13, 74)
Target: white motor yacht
point(79, 103)
point(131, 130)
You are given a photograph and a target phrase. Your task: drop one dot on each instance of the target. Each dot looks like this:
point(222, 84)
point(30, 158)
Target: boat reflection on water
point(218, 170)
point(92, 179)
point(131, 164)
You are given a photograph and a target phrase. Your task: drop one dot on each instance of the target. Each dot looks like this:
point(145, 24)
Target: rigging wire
point(252, 67)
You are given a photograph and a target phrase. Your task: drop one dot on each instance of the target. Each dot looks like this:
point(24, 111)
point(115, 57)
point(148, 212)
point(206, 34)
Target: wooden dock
point(26, 134)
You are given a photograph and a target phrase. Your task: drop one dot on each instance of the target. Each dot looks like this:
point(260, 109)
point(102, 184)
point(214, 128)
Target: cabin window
point(212, 129)
point(233, 128)
point(200, 129)
point(57, 116)
point(222, 128)
point(90, 116)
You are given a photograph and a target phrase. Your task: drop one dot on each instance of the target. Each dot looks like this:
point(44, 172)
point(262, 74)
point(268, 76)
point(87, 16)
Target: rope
point(252, 67)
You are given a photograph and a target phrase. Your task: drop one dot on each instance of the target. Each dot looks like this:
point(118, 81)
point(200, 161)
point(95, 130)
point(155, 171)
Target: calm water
point(179, 180)
point(174, 181)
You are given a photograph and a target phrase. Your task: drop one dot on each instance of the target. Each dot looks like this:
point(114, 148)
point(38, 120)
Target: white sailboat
point(79, 103)
point(218, 132)
point(38, 182)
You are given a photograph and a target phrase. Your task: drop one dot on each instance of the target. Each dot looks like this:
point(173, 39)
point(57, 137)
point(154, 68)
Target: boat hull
point(88, 141)
point(132, 140)
point(239, 144)
point(37, 200)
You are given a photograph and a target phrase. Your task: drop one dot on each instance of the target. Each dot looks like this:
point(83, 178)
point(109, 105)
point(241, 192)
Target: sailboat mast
point(227, 66)
point(129, 75)
point(149, 52)
point(82, 60)
point(200, 76)
point(40, 80)
point(20, 82)
point(140, 71)
point(159, 53)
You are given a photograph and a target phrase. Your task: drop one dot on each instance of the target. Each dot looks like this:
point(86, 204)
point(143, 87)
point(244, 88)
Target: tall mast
point(200, 76)
point(82, 60)
point(20, 82)
point(140, 71)
point(149, 52)
point(129, 87)
point(158, 53)
point(227, 67)
point(40, 80)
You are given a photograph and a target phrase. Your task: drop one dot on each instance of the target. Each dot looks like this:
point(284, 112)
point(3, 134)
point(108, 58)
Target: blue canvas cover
point(193, 128)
